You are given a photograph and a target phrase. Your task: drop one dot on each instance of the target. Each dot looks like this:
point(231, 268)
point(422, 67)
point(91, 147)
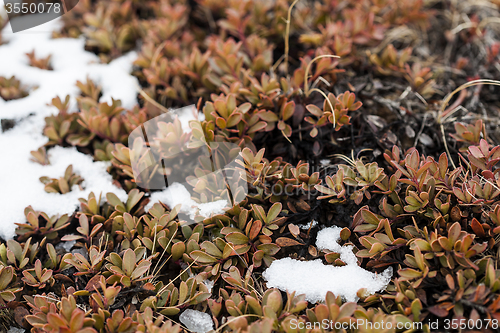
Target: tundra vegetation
point(377, 116)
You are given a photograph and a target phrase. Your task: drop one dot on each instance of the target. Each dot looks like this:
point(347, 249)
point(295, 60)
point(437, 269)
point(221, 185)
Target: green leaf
point(288, 110)
point(273, 212)
point(55, 320)
point(77, 320)
point(365, 227)
point(259, 212)
point(7, 296)
point(454, 232)
point(409, 273)
point(369, 217)
point(140, 269)
point(314, 110)
point(16, 248)
point(115, 259)
point(113, 199)
point(345, 233)
point(51, 133)
point(128, 264)
point(269, 248)
point(211, 249)
point(257, 127)
point(237, 238)
point(170, 311)
point(133, 198)
point(202, 258)
point(125, 280)
point(178, 249)
point(6, 275)
point(183, 291)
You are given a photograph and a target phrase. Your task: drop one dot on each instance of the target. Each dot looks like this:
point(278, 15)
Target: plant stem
point(287, 35)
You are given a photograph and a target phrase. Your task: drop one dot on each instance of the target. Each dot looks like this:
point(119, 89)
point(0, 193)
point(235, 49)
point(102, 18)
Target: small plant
point(468, 134)
point(130, 269)
point(42, 63)
point(391, 62)
point(169, 299)
point(107, 298)
point(91, 266)
point(51, 316)
point(109, 30)
point(40, 224)
point(90, 92)
point(19, 255)
point(11, 89)
point(63, 184)
point(337, 115)
point(84, 230)
point(7, 277)
point(483, 159)
point(420, 79)
point(38, 277)
point(40, 156)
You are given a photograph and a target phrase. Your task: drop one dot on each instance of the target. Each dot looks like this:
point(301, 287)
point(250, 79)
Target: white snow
point(70, 63)
point(327, 239)
point(186, 114)
point(324, 162)
point(13, 329)
point(67, 246)
point(19, 184)
point(309, 225)
point(177, 193)
point(209, 284)
point(196, 321)
point(315, 279)
point(209, 208)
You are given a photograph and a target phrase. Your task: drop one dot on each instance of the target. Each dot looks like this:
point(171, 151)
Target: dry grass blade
point(308, 68)
point(172, 281)
point(151, 100)
point(287, 35)
point(161, 256)
point(442, 115)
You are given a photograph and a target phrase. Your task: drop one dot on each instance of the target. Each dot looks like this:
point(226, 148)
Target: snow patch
point(327, 239)
point(70, 62)
point(21, 187)
point(197, 321)
point(67, 246)
point(315, 279)
point(19, 177)
point(13, 329)
point(209, 284)
point(186, 114)
point(177, 194)
point(309, 225)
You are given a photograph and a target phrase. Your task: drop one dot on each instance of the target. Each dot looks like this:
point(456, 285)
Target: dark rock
point(7, 124)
